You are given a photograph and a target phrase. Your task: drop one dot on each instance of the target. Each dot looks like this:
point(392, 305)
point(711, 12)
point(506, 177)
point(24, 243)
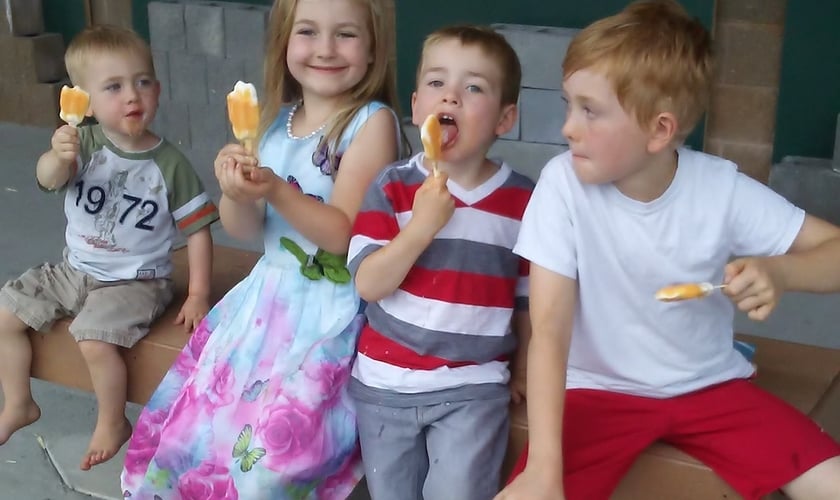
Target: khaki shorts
point(117, 312)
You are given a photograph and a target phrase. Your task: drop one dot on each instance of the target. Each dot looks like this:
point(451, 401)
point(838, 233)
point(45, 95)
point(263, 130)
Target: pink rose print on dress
point(207, 482)
point(292, 436)
point(199, 339)
point(328, 378)
point(221, 390)
point(144, 442)
point(341, 484)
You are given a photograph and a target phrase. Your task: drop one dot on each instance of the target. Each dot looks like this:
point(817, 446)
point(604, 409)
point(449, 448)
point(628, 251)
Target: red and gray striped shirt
point(448, 325)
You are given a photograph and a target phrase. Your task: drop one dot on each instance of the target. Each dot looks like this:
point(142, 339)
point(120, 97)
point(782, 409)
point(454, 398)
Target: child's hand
point(753, 285)
point(433, 205)
point(192, 312)
point(517, 388)
point(530, 486)
point(232, 167)
point(65, 144)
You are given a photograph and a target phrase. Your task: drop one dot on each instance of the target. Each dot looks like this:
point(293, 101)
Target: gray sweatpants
point(446, 451)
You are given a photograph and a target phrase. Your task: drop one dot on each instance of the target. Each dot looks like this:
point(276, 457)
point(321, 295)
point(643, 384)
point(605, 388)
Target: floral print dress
point(255, 406)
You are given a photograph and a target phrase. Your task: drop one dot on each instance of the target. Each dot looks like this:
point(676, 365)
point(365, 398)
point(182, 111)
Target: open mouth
point(134, 114)
point(448, 130)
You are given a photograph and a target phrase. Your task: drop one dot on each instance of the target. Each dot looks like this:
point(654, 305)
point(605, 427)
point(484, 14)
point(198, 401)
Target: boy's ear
point(507, 119)
point(663, 130)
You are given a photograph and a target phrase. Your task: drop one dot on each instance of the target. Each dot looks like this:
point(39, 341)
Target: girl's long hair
point(379, 83)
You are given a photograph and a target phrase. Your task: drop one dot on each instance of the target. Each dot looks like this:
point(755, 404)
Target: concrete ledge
point(57, 359)
point(810, 183)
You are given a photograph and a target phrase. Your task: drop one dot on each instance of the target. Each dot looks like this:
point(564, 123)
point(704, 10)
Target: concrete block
point(114, 12)
point(543, 114)
point(173, 122)
point(527, 158)
point(222, 75)
point(188, 77)
point(30, 103)
point(166, 26)
point(159, 124)
point(208, 127)
point(541, 50)
point(21, 17)
point(161, 62)
point(245, 28)
point(809, 183)
point(205, 29)
point(38, 58)
point(254, 72)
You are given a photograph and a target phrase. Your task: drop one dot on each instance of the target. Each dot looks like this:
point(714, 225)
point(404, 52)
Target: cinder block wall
point(31, 65)
point(741, 122)
point(201, 48)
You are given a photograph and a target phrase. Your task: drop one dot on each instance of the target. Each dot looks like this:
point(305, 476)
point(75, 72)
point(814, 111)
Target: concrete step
point(21, 17)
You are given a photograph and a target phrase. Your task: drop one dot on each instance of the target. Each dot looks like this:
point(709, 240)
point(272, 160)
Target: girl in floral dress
point(255, 406)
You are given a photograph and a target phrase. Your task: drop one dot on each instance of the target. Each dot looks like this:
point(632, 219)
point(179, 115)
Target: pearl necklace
point(289, 126)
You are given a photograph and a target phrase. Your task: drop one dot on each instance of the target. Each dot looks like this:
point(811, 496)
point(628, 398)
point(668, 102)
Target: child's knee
point(97, 351)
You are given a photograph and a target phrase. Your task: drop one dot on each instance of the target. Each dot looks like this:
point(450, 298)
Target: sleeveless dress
point(255, 406)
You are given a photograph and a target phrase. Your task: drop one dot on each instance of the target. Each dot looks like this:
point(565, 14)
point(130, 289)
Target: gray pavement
point(41, 461)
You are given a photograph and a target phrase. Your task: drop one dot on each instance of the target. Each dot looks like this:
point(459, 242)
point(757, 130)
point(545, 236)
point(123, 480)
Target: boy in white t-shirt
point(127, 195)
point(626, 211)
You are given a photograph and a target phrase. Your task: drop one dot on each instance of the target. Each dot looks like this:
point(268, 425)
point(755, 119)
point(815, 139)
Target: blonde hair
point(100, 38)
point(494, 46)
point(657, 57)
point(379, 82)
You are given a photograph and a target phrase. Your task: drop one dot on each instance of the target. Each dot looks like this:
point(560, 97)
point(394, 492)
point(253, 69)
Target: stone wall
point(201, 48)
point(32, 63)
point(741, 122)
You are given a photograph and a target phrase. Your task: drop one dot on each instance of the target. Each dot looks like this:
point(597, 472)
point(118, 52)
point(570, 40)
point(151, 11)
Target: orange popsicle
point(685, 291)
point(244, 114)
point(74, 103)
point(430, 136)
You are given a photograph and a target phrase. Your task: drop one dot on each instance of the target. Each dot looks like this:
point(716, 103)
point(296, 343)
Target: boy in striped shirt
point(127, 194)
point(433, 257)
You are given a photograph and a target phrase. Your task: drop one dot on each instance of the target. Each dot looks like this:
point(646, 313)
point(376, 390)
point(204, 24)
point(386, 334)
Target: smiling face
point(461, 85)
point(329, 50)
point(123, 96)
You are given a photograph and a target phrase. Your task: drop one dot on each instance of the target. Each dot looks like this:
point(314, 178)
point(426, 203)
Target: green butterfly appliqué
point(246, 458)
point(321, 265)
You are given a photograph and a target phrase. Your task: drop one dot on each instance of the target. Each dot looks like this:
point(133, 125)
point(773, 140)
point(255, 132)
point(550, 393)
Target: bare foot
point(105, 443)
point(14, 417)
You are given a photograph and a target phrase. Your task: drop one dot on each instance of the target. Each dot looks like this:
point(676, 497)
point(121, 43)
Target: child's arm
point(382, 272)
point(200, 258)
point(519, 366)
point(552, 305)
point(54, 167)
point(812, 264)
point(328, 225)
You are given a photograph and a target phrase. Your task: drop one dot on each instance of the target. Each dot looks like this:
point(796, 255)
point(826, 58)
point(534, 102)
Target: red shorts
point(753, 440)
